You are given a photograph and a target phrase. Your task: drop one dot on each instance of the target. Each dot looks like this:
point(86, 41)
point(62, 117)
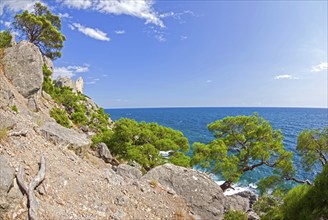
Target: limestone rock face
point(79, 85)
point(65, 81)
point(10, 194)
point(13, 40)
point(103, 152)
point(64, 136)
point(23, 67)
point(203, 195)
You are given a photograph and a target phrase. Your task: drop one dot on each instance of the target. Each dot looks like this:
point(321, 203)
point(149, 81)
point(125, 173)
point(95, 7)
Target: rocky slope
point(80, 183)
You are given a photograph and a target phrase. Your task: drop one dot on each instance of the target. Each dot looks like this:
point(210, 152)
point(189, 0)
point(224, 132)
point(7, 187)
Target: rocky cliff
point(81, 183)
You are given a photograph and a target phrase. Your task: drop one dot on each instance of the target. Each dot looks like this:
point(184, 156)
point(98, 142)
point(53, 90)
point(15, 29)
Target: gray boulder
point(103, 152)
point(203, 195)
point(9, 191)
point(64, 136)
point(128, 172)
point(236, 202)
point(23, 67)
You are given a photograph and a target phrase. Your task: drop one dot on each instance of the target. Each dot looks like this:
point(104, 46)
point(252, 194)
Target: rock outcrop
point(60, 135)
point(79, 84)
point(203, 195)
point(23, 67)
point(68, 82)
point(65, 82)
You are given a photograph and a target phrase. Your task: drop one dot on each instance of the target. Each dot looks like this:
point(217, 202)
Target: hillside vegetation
point(99, 169)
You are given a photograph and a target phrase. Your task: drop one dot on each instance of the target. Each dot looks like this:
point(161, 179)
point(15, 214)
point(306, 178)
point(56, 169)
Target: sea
point(192, 122)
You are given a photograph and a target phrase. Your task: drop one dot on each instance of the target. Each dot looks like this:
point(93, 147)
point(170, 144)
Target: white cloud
point(208, 81)
point(78, 4)
point(90, 32)
point(69, 71)
point(183, 37)
point(121, 100)
point(160, 37)
point(320, 67)
point(176, 15)
point(65, 15)
point(90, 82)
point(120, 32)
point(285, 77)
point(17, 5)
point(5, 23)
point(142, 9)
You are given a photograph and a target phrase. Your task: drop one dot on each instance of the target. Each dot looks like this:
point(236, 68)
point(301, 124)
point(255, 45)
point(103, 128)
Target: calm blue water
point(193, 123)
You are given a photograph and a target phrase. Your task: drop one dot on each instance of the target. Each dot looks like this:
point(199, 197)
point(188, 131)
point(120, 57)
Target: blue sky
point(193, 53)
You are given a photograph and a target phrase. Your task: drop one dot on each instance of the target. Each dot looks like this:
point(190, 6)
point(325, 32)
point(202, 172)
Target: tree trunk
point(226, 185)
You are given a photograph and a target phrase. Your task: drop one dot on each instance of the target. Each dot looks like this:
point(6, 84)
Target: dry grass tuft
point(153, 183)
point(180, 214)
point(3, 134)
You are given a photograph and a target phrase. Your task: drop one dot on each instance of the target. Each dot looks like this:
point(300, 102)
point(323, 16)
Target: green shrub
point(99, 120)
point(235, 215)
point(5, 39)
point(14, 108)
point(302, 202)
point(79, 118)
point(46, 72)
point(49, 87)
point(60, 116)
point(142, 142)
point(267, 207)
point(180, 159)
point(103, 136)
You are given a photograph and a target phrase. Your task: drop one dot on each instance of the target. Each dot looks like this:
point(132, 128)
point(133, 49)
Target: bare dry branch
point(18, 133)
point(33, 204)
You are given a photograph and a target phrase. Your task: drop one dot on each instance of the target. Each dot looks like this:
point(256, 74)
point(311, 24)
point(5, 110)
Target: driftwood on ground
point(29, 189)
point(18, 133)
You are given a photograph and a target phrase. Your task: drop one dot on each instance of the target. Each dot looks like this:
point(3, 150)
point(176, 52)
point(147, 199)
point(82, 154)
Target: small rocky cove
point(81, 182)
